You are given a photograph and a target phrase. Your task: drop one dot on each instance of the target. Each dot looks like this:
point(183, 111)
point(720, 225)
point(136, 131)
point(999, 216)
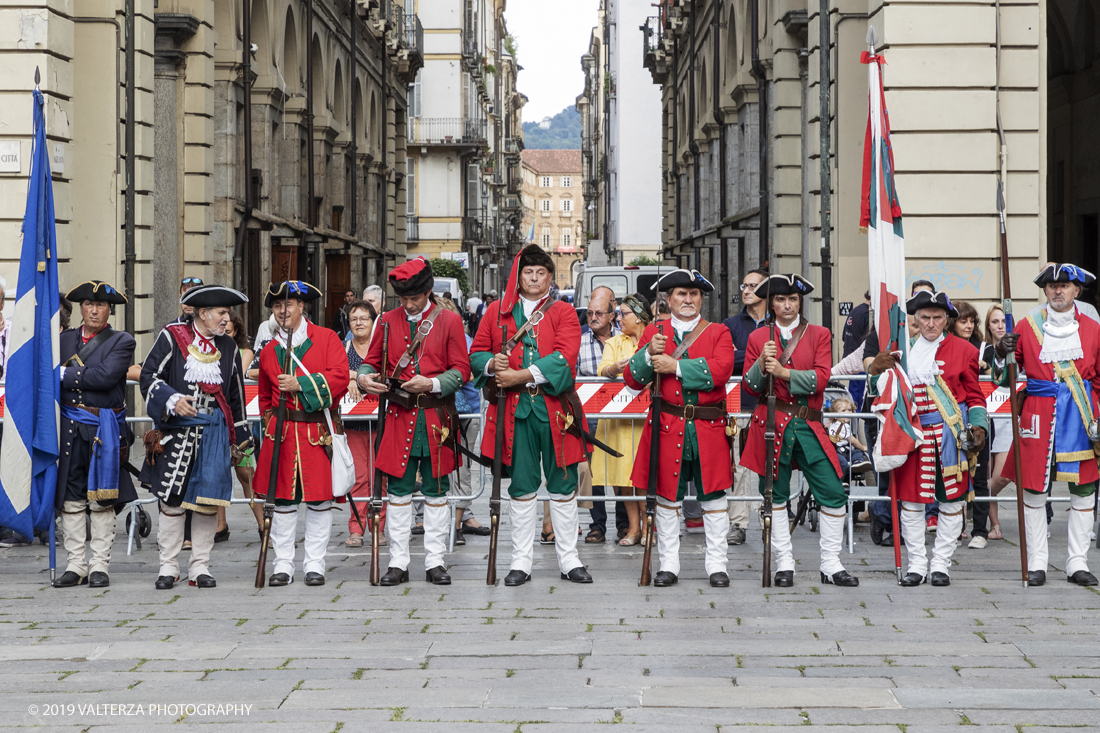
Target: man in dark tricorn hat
point(800, 360)
point(95, 438)
point(543, 418)
point(427, 356)
point(943, 370)
point(695, 360)
point(1059, 349)
point(194, 392)
point(317, 380)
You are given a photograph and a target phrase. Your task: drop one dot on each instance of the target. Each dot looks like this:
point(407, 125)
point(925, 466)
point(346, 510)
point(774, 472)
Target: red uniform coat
point(716, 347)
point(443, 348)
point(814, 352)
point(1035, 416)
point(958, 359)
point(302, 456)
point(560, 332)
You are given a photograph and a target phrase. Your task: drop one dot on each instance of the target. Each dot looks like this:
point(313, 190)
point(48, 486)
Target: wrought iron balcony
point(412, 228)
point(471, 52)
point(414, 39)
point(459, 131)
point(652, 31)
point(472, 230)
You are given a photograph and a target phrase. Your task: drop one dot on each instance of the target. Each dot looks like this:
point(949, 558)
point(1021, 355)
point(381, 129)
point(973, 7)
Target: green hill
point(563, 133)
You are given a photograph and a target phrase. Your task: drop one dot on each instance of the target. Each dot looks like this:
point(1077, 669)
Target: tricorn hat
point(1057, 272)
point(778, 284)
point(286, 289)
point(924, 299)
point(213, 296)
point(682, 279)
point(412, 278)
point(96, 290)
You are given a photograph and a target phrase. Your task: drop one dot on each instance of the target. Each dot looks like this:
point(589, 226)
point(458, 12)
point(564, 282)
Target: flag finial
point(872, 37)
point(37, 77)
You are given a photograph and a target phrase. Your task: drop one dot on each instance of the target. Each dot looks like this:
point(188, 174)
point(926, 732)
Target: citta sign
point(10, 161)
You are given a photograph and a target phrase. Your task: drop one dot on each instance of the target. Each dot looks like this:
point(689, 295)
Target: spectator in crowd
point(374, 295)
point(361, 319)
point(467, 402)
point(855, 333)
point(594, 337)
point(5, 328)
point(65, 314)
point(1001, 440)
point(967, 327)
point(754, 311)
point(340, 319)
point(475, 309)
point(660, 307)
point(851, 452)
point(623, 435)
point(246, 466)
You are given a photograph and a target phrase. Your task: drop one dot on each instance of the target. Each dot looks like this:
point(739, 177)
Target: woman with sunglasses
point(622, 435)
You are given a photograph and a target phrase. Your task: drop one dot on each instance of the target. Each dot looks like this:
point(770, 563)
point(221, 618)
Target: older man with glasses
point(602, 316)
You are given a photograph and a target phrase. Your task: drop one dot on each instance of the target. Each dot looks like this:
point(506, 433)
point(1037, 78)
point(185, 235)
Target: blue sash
point(104, 467)
point(211, 481)
point(949, 446)
point(1069, 430)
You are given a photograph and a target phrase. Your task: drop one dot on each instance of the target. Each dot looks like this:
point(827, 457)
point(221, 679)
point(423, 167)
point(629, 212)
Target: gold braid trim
point(1067, 370)
point(952, 420)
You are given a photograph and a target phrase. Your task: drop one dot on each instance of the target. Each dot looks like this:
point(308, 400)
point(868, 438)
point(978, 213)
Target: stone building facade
point(465, 139)
point(553, 207)
point(304, 177)
point(976, 94)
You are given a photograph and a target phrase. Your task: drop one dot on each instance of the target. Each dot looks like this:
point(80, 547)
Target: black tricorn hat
point(213, 296)
point(793, 284)
point(96, 290)
point(412, 278)
point(1058, 272)
point(924, 299)
point(682, 279)
point(287, 289)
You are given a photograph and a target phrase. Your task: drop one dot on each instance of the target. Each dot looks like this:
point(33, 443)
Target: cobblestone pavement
point(552, 656)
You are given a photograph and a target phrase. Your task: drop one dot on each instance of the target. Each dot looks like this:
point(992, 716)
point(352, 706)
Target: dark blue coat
point(101, 382)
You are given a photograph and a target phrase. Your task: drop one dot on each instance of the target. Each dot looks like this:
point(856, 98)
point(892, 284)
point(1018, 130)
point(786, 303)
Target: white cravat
point(685, 327)
point(923, 368)
point(299, 335)
point(1061, 340)
point(787, 331)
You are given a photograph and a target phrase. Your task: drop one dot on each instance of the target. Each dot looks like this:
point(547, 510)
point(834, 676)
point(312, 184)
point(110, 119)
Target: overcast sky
point(552, 35)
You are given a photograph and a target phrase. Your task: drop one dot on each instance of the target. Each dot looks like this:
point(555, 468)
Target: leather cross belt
point(95, 410)
point(491, 390)
point(416, 401)
point(695, 412)
point(300, 416)
point(803, 411)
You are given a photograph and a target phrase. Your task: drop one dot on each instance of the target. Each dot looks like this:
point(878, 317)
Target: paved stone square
point(552, 656)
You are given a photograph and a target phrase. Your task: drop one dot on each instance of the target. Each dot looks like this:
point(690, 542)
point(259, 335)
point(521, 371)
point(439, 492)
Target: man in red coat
point(943, 370)
point(695, 360)
point(1059, 349)
point(427, 356)
point(800, 362)
point(318, 379)
point(544, 416)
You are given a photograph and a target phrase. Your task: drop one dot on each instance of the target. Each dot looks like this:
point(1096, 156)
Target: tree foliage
point(643, 261)
point(564, 132)
point(450, 268)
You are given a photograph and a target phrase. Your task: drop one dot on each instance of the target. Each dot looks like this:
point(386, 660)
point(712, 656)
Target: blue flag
point(28, 458)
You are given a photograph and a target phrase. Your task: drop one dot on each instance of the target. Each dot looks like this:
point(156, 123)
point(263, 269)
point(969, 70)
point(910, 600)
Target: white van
point(448, 285)
point(622, 279)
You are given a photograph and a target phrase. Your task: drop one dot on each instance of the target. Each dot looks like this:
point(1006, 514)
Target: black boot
point(98, 580)
point(165, 582)
point(940, 579)
point(910, 580)
point(516, 577)
point(204, 581)
point(784, 579)
point(394, 576)
point(1035, 578)
point(1082, 577)
point(438, 576)
point(719, 580)
point(844, 579)
point(664, 579)
point(69, 579)
point(577, 575)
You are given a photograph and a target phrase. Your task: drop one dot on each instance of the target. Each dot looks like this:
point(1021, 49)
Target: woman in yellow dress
point(622, 435)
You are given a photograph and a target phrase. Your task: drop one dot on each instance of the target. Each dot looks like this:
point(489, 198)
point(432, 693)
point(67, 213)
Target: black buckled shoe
point(910, 580)
point(69, 579)
point(204, 581)
point(165, 582)
point(516, 577)
point(784, 579)
point(437, 576)
point(479, 531)
point(98, 579)
point(577, 575)
point(318, 579)
point(278, 580)
point(460, 538)
point(1082, 577)
point(394, 576)
point(664, 579)
point(939, 579)
point(719, 580)
point(844, 579)
point(1035, 578)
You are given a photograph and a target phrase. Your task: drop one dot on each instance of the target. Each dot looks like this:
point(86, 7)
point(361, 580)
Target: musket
point(498, 469)
point(273, 479)
point(654, 468)
point(1010, 365)
point(375, 518)
point(769, 464)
